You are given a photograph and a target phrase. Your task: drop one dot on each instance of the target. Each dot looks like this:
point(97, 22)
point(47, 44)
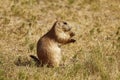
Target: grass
point(95, 55)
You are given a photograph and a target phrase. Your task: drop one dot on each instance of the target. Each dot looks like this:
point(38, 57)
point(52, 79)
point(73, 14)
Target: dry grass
point(95, 55)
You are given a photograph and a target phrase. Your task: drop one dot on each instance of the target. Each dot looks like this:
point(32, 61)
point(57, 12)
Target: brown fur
point(48, 50)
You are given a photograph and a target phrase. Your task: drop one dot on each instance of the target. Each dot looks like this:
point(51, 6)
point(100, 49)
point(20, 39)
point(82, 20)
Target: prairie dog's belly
point(55, 52)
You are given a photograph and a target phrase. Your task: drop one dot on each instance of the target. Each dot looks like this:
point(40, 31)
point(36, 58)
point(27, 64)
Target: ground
point(94, 56)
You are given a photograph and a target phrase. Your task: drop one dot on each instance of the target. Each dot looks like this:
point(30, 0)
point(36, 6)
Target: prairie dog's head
point(62, 29)
point(63, 26)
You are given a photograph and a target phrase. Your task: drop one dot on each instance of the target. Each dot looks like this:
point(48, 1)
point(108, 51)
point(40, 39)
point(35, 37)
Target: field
point(94, 56)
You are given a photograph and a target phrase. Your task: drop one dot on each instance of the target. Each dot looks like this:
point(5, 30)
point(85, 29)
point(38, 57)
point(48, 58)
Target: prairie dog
point(48, 50)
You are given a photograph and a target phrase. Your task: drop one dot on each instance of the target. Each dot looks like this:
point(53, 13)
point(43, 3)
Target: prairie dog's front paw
point(73, 40)
point(72, 34)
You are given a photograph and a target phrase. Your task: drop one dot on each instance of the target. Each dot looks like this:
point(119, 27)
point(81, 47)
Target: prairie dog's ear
point(57, 24)
point(57, 21)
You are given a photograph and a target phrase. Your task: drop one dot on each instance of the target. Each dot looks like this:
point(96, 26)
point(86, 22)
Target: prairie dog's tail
point(35, 59)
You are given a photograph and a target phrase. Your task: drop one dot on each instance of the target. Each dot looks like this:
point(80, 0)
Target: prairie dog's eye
point(65, 23)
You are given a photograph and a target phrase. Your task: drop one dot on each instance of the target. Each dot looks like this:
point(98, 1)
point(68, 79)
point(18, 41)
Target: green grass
point(95, 55)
